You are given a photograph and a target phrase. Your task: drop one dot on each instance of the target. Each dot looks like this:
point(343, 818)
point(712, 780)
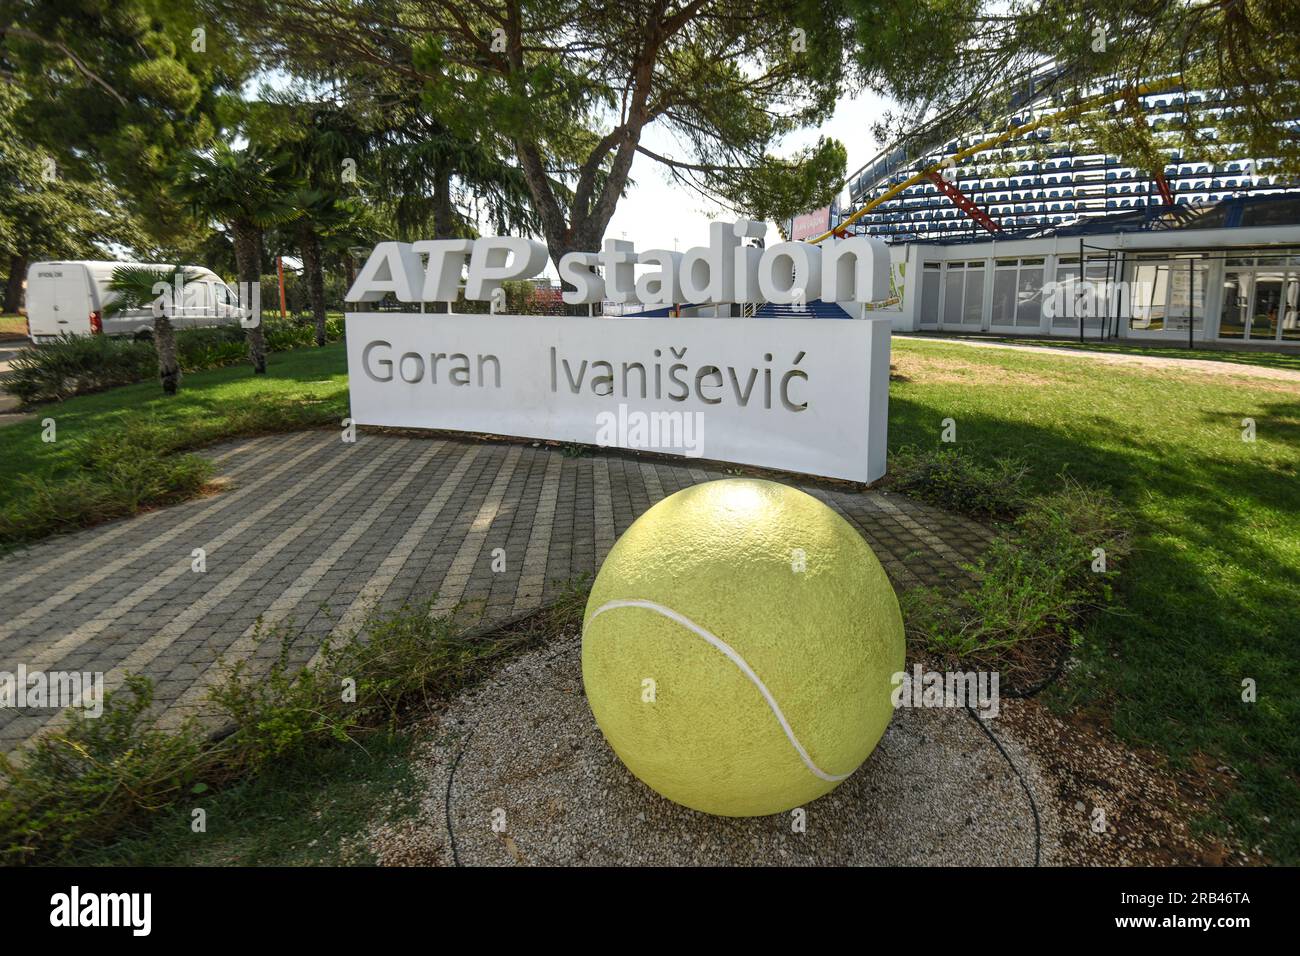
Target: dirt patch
point(1118, 806)
point(931, 369)
point(13, 418)
point(1224, 373)
point(1024, 669)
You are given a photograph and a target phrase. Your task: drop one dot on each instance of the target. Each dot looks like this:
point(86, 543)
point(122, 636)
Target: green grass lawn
point(1212, 593)
point(205, 402)
point(1287, 360)
point(307, 810)
point(13, 325)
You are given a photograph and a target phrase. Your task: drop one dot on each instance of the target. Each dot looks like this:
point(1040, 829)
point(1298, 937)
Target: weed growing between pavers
point(97, 781)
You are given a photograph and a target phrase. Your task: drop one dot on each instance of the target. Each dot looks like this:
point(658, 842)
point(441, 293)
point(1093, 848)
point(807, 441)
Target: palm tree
point(136, 288)
point(320, 216)
point(245, 190)
point(318, 138)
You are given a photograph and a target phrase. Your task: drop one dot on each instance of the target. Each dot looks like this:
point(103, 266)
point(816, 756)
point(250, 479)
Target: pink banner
point(811, 224)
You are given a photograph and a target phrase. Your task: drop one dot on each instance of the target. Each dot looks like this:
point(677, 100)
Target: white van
point(68, 298)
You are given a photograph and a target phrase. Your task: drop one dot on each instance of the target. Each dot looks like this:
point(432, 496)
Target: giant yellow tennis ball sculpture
point(738, 648)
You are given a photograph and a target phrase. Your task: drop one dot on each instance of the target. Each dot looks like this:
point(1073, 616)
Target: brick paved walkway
point(318, 533)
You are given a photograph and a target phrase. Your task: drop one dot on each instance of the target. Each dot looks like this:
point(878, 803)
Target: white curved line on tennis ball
point(740, 662)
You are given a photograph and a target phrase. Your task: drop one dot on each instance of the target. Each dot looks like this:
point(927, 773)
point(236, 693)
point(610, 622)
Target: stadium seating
point(1025, 184)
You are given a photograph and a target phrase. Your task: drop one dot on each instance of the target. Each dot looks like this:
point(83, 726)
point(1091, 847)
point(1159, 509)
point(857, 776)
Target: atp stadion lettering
point(725, 271)
point(797, 394)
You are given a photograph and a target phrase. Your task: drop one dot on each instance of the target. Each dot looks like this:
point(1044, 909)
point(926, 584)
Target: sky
point(656, 211)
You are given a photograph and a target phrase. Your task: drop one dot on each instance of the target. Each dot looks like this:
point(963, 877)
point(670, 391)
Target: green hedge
point(75, 365)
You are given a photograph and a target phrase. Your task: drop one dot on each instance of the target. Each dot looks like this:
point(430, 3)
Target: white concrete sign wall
point(800, 395)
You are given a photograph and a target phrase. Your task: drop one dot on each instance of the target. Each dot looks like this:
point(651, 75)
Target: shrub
point(296, 333)
point(221, 345)
point(1035, 582)
point(76, 365)
point(400, 661)
point(957, 482)
point(83, 784)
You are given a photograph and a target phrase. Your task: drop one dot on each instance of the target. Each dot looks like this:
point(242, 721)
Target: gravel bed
point(533, 782)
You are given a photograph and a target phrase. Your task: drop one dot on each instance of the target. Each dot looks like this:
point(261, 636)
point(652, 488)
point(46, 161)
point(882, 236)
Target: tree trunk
point(572, 243)
point(249, 264)
point(444, 224)
point(169, 366)
point(311, 267)
point(14, 287)
point(444, 212)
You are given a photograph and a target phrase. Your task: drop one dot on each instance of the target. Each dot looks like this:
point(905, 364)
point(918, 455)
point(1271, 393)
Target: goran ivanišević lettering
point(673, 379)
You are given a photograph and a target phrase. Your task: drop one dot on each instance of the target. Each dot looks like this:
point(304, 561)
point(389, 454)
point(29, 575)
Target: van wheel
point(144, 335)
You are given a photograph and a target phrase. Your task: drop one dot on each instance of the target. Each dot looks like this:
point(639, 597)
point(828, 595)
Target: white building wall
point(1216, 243)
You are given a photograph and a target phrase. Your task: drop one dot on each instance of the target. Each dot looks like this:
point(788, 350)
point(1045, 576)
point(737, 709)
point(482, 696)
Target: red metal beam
point(1163, 185)
point(963, 202)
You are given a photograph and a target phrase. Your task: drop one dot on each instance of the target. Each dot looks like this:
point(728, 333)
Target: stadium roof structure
point(1043, 176)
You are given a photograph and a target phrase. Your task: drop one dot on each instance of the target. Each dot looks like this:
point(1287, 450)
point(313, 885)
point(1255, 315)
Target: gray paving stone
point(287, 549)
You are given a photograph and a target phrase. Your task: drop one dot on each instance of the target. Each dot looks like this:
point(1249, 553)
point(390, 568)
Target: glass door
point(963, 296)
point(1017, 296)
point(1290, 330)
point(1265, 314)
point(1029, 296)
point(1261, 300)
point(930, 276)
point(1236, 304)
point(1004, 295)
